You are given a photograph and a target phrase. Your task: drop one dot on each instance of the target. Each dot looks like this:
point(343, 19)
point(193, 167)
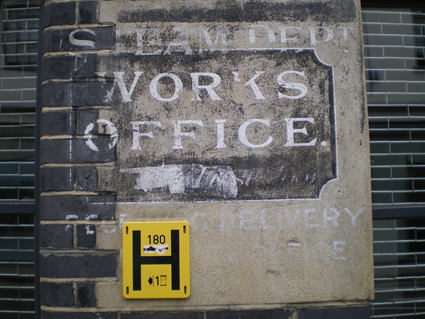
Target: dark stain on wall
point(251, 11)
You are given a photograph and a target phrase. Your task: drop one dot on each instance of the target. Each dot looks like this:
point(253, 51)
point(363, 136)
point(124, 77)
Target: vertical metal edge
point(37, 165)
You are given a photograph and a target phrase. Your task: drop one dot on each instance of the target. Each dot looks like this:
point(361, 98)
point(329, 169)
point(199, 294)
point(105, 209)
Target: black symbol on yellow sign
point(157, 280)
point(173, 260)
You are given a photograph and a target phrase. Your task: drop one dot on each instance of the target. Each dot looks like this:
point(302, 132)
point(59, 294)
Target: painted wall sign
point(228, 125)
point(164, 40)
point(246, 119)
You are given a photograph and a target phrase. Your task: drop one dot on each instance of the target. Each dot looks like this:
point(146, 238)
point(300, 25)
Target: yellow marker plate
point(156, 260)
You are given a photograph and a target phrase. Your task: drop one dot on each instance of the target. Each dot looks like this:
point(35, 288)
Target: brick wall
point(72, 206)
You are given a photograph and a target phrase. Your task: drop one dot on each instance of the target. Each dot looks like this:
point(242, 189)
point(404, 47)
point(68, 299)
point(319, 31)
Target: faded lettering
point(155, 41)
point(178, 179)
point(137, 134)
point(113, 133)
point(183, 42)
point(291, 131)
point(221, 33)
point(353, 216)
point(153, 87)
point(80, 42)
point(178, 134)
point(209, 88)
point(244, 139)
point(269, 31)
point(326, 38)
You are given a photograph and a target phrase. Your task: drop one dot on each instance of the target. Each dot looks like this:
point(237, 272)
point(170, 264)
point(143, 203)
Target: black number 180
point(156, 239)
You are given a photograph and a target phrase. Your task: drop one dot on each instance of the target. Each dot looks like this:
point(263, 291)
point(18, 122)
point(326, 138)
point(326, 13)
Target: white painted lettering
point(269, 220)
point(137, 134)
point(291, 86)
point(89, 231)
point(149, 40)
point(227, 221)
point(269, 31)
point(118, 35)
point(338, 250)
point(198, 219)
point(283, 35)
point(113, 133)
point(91, 217)
point(220, 133)
point(244, 220)
point(333, 218)
point(292, 219)
point(221, 34)
point(153, 87)
point(279, 219)
point(119, 80)
point(309, 218)
point(88, 137)
point(353, 216)
point(141, 34)
point(209, 88)
point(254, 87)
point(178, 133)
point(313, 39)
point(183, 42)
point(345, 32)
point(107, 229)
point(81, 42)
point(264, 225)
point(291, 131)
point(242, 133)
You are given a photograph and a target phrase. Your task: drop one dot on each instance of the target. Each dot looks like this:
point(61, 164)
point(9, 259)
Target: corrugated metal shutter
point(399, 257)
point(17, 266)
point(395, 71)
point(18, 74)
point(18, 70)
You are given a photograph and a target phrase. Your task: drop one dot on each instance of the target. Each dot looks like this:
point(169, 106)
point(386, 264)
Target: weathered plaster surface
point(279, 234)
